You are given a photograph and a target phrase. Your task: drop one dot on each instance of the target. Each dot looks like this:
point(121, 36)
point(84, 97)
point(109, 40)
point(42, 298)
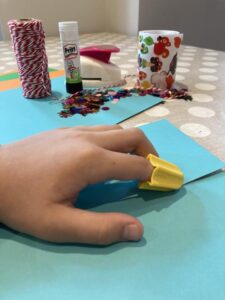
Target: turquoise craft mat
point(20, 117)
point(181, 255)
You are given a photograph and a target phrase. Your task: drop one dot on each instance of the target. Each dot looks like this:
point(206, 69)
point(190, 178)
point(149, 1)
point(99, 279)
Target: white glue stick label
point(71, 62)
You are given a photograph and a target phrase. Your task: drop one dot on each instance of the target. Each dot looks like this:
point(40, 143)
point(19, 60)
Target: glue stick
point(70, 44)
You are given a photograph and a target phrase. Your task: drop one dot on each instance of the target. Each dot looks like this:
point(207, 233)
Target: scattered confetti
point(115, 101)
point(91, 101)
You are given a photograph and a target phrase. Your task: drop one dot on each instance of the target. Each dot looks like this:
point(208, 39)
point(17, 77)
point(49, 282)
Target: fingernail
point(131, 233)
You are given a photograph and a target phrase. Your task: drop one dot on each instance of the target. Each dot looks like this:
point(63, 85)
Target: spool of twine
point(28, 40)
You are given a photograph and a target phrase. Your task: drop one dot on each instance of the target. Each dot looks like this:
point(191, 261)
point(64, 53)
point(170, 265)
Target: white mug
point(157, 58)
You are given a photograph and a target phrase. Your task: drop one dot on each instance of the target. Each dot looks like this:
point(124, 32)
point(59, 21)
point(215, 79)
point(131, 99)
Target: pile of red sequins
point(91, 101)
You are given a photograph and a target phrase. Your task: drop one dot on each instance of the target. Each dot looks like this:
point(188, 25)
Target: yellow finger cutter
point(165, 176)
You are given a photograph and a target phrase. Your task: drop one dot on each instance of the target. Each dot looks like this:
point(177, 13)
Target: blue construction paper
point(181, 255)
point(194, 160)
point(20, 117)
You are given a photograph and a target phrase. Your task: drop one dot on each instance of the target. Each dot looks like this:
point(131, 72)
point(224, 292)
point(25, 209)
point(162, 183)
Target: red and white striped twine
point(28, 40)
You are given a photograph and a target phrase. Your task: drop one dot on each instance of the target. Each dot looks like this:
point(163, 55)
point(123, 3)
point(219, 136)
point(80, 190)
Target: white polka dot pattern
point(158, 111)
point(202, 97)
point(183, 64)
point(208, 77)
point(188, 54)
point(54, 65)
point(195, 130)
point(4, 50)
point(205, 86)
point(201, 112)
point(133, 60)
point(179, 77)
point(126, 66)
point(124, 72)
point(207, 70)
point(115, 58)
point(182, 70)
point(6, 58)
point(190, 50)
point(122, 54)
point(54, 56)
point(186, 58)
point(209, 58)
point(212, 53)
point(210, 64)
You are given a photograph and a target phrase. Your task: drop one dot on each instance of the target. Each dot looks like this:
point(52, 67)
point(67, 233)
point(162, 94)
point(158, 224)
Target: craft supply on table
point(70, 44)
point(100, 52)
point(96, 68)
point(28, 39)
point(157, 58)
point(165, 176)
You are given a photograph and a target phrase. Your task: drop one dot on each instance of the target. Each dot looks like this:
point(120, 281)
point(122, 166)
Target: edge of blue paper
point(193, 159)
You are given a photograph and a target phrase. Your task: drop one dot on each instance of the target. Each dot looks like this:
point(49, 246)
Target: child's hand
point(41, 177)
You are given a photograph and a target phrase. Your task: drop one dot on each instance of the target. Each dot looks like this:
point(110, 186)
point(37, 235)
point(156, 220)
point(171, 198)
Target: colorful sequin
point(91, 101)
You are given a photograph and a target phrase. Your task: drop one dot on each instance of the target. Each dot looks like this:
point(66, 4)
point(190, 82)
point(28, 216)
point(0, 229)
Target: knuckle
point(90, 150)
point(76, 135)
point(102, 237)
point(144, 163)
point(138, 133)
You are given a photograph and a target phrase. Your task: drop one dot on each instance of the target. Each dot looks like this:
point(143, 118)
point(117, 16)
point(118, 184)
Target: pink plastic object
point(100, 52)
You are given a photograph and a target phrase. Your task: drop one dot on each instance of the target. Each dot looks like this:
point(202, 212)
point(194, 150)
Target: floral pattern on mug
point(142, 75)
point(173, 64)
point(177, 41)
point(161, 47)
point(155, 64)
point(157, 58)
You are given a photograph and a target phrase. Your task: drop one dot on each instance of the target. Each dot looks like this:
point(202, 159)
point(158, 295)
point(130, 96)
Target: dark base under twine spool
point(28, 40)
